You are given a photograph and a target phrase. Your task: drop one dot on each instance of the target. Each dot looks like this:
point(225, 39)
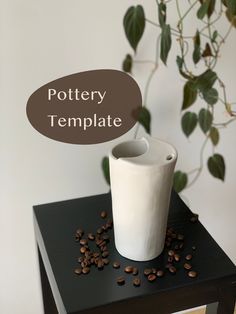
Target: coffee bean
point(193, 248)
point(109, 223)
point(176, 247)
point(83, 241)
point(136, 282)
point(135, 271)
point(120, 280)
point(173, 235)
point(83, 249)
point(96, 254)
point(177, 257)
point(171, 253)
point(91, 236)
point(187, 266)
point(99, 231)
point(84, 264)
point(172, 269)
point(181, 245)
point(103, 248)
point(103, 214)
point(101, 244)
point(79, 232)
point(100, 264)
point(192, 274)
point(78, 271)
point(154, 270)
point(152, 277)
point(105, 261)
point(99, 241)
point(170, 259)
point(194, 218)
point(85, 270)
point(160, 273)
point(105, 237)
point(180, 237)
point(188, 257)
point(80, 259)
point(116, 265)
point(105, 228)
point(147, 271)
point(128, 269)
point(105, 254)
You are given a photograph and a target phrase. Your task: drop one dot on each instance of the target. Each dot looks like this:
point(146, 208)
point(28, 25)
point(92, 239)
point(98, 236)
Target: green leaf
point(214, 36)
point(197, 48)
point(205, 119)
point(214, 135)
point(205, 81)
point(190, 95)
point(106, 169)
point(145, 119)
point(134, 24)
point(231, 4)
point(231, 17)
point(189, 122)
point(180, 181)
point(180, 62)
point(203, 9)
point(211, 8)
point(127, 64)
point(216, 166)
point(165, 42)
point(211, 96)
point(162, 13)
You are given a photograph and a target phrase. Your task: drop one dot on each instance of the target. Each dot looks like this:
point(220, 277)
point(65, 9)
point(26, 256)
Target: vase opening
point(133, 148)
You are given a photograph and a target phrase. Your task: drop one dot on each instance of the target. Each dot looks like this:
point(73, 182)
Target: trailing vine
point(204, 45)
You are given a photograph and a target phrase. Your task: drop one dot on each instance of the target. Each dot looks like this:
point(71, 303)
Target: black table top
point(55, 225)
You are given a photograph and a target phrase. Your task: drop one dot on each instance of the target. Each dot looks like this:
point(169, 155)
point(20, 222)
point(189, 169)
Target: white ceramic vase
point(141, 173)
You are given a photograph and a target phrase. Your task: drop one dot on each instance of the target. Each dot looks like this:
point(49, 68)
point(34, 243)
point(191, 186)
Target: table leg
point(225, 305)
point(48, 300)
point(211, 308)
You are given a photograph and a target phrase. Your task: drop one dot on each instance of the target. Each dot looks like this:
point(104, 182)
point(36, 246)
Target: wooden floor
point(202, 311)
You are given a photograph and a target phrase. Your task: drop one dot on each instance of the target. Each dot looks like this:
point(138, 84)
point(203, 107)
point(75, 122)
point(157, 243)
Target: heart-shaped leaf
point(189, 122)
point(180, 181)
point(190, 95)
point(145, 119)
point(214, 135)
point(216, 166)
point(127, 64)
point(134, 24)
point(211, 96)
point(165, 42)
point(206, 80)
point(197, 48)
point(205, 119)
point(203, 9)
point(106, 169)
point(231, 4)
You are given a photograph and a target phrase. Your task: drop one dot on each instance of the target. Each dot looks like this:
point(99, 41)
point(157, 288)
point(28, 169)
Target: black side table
point(98, 292)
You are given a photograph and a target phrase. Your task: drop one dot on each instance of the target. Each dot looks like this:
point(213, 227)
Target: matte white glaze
point(141, 179)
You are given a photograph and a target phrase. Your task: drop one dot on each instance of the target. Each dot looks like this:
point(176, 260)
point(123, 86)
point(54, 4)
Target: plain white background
point(42, 41)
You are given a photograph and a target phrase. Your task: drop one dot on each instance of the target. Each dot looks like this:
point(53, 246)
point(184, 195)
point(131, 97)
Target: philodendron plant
point(203, 45)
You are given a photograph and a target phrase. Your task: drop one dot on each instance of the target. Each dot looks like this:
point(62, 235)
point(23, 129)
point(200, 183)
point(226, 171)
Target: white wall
point(44, 40)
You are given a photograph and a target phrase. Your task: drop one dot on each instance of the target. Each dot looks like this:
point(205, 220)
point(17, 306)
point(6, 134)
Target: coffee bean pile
point(99, 258)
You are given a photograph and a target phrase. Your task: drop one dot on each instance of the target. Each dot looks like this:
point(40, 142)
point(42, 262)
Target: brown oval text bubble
point(86, 108)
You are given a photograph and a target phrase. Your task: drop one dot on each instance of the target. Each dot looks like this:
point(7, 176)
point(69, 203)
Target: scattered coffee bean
point(116, 265)
point(172, 269)
point(103, 214)
point(96, 254)
point(101, 244)
point(128, 269)
point(85, 270)
point(160, 273)
point(147, 271)
point(80, 259)
point(105, 254)
point(170, 259)
point(100, 264)
point(168, 265)
point(154, 270)
point(176, 247)
point(135, 271)
point(79, 232)
point(193, 248)
point(173, 235)
point(187, 266)
point(105, 261)
point(109, 223)
point(105, 237)
point(136, 282)
point(177, 257)
point(194, 218)
point(83, 249)
point(180, 237)
point(152, 277)
point(99, 231)
point(171, 253)
point(181, 245)
point(91, 236)
point(188, 257)
point(192, 274)
point(83, 241)
point(120, 280)
point(103, 248)
point(78, 271)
